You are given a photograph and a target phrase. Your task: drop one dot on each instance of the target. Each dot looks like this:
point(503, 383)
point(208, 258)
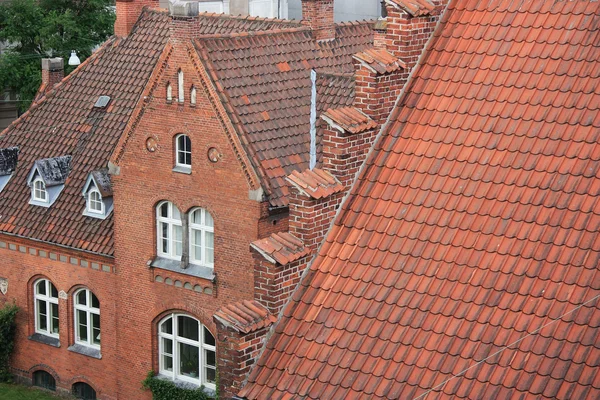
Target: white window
point(193, 95)
point(180, 88)
point(170, 231)
point(46, 308)
point(202, 238)
point(169, 92)
point(187, 350)
point(87, 318)
point(183, 150)
point(39, 192)
point(95, 204)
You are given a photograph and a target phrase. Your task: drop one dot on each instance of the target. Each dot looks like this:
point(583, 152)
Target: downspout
point(313, 120)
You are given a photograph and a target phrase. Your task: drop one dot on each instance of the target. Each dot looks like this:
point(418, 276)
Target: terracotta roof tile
point(416, 8)
point(349, 119)
point(245, 316)
point(473, 226)
point(315, 183)
point(379, 60)
point(282, 247)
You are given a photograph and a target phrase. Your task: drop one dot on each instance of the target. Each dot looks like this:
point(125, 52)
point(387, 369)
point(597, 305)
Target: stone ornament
point(3, 285)
point(63, 295)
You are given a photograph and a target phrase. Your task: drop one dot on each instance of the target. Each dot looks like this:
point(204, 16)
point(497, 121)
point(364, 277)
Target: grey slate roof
point(8, 160)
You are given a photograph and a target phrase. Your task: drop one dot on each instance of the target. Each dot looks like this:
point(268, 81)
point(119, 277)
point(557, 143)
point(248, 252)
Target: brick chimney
point(318, 15)
point(53, 71)
point(128, 12)
point(184, 22)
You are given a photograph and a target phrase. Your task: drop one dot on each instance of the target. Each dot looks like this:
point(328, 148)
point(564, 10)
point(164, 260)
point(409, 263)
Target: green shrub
point(166, 390)
point(8, 328)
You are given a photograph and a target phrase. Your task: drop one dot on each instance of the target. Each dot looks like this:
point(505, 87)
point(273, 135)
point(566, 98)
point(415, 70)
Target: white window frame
point(42, 189)
point(203, 228)
point(48, 299)
point(172, 224)
point(201, 344)
point(184, 151)
point(90, 201)
point(89, 311)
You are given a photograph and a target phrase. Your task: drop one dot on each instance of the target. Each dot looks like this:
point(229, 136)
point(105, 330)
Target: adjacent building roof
point(465, 263)
point(65, 122)
point(349, 119)
point(245, 316)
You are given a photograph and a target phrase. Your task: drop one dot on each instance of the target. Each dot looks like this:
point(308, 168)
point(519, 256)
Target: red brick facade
point(318, 14)
point(128, 12)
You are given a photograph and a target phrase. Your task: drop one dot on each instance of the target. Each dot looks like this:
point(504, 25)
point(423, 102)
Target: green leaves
point(8, 329)
point(163, 389)
point(36, 29)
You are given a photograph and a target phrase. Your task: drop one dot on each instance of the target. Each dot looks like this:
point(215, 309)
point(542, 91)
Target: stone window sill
point(198, 271)
point(86, 351)
point(49, 340)
point(182, 170)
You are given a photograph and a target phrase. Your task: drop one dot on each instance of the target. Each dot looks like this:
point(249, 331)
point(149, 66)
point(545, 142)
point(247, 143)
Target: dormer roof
point(101, 180)
point(53, 171)
point(8, 160)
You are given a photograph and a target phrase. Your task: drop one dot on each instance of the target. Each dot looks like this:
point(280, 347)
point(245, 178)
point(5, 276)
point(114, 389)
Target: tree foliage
point(167, 390)
point(8, 329)
point(36, 29)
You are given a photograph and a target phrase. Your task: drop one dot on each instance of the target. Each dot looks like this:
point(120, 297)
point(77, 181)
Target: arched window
point(187, 350)
point(169, 92)
point(39, 192)
point(82, 390)
point(202, 238)
point(180, 88)
point(46, 308)
point(193, 95)
point(95, 204)
point(183, 151)
point(170, 231)
point(87, 318)
point(44, 379)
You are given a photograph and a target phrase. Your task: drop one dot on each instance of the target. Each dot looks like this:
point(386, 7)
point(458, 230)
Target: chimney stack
point(184, 19)
point(53, 71)
point(318, 15)
point(128, 12)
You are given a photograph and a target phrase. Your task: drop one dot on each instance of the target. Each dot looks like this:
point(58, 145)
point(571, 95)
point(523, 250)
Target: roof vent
point(102, 102)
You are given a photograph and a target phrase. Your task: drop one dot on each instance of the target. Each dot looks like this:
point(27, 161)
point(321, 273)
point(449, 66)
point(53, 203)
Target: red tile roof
point(253, 83)
point(349, 119)
point(465, 263)
point(64, 122)
point(380, 60)
point(316, 183)
point(282, 248)
point(245, 316)
point(416, 8)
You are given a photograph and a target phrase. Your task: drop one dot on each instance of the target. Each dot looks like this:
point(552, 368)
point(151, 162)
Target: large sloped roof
point(265, 81)
point(465, 262)
point(65, 123)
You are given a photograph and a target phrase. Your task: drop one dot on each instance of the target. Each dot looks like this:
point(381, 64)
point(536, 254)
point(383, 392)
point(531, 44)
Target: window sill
point(86, 351)
point(175, 266)
point(187, 385)
point(41, 338)
point(182, 170)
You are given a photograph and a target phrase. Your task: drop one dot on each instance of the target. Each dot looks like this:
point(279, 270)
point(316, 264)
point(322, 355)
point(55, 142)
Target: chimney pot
point(53, 64)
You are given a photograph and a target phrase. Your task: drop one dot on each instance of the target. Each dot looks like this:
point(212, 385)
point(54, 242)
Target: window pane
point(82, 390)
point(197, 217)
point(187, 328)
point(211, 358)
point(197, 244)
point(167, 346)
point(167, 363)
point(54, 322)
point(96, 329)
point(82, 298)
point(188, 158)
point(53, 291)
point(211, 375)
point(164, 228)
point(208, 338)
point(44, 379)
point(210, 239)
point(164, 210)
point(176, 214)
point(42, 315)
point(82, 326)
point(41, 287)
point(167, 326)
point(178, 240)
point(188, 360)
point(95, 302)
point(208, 219)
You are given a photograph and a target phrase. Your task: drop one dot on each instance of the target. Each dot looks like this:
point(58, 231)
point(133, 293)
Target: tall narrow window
point(170, 231)
point(87, 318)
point(180, 88)
point(46, 308)
point(95, 204)
point(187, 350)
point(183, 150)
point(193, 95)
point(202, 238)
point(39, 192)
point(169, 92)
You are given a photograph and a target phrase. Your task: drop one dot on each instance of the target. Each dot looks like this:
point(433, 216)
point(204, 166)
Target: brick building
point(158, 205)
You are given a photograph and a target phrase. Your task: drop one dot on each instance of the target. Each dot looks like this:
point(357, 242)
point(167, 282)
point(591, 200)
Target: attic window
point(47, 180)
point(102, 102)
point(39, 191)
point(97, 192)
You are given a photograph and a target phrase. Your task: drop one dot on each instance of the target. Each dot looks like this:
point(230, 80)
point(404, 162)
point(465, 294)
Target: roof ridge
point(160, 10)
point(355, 23)
point(252, 33)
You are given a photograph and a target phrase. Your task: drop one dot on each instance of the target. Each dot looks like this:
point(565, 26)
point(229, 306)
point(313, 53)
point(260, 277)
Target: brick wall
point(318, 14)
point(128, 12)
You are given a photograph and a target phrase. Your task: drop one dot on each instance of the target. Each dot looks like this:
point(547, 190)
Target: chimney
point(53, 71)
point(184, 19)
point(128, 12)
point(410, 24)
point(318, 15)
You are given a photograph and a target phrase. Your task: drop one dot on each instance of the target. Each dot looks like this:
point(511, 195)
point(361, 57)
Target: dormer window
point(39, 190)
point(47, 179)
point(8, 164)
point(97, 192)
